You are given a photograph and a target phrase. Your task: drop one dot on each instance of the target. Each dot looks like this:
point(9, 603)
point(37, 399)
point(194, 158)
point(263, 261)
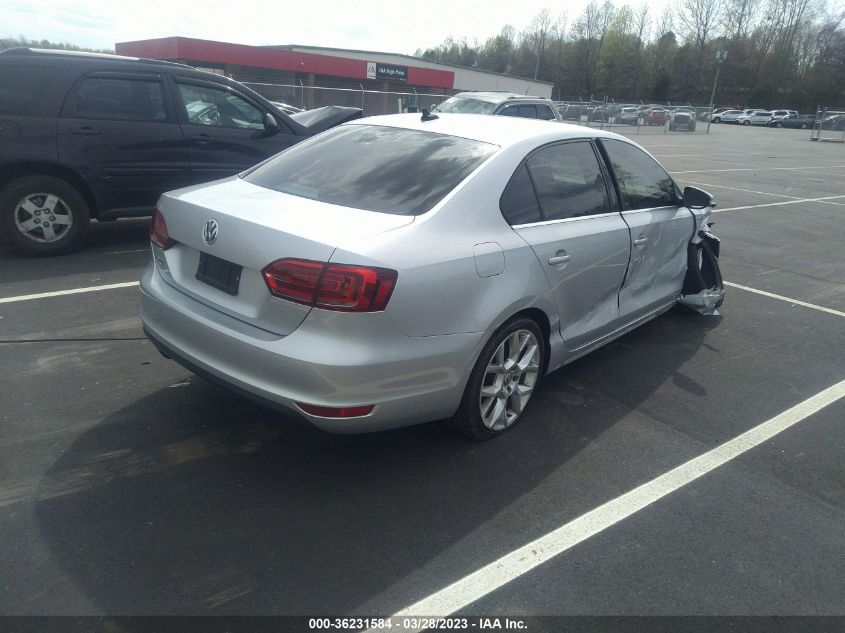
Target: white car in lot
point(728, 116)
point(758, 117)
point(779, 114)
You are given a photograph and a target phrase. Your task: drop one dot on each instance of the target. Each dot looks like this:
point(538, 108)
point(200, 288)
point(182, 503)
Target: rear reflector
point(331, 286)
point(336, 412)
point(158, 232)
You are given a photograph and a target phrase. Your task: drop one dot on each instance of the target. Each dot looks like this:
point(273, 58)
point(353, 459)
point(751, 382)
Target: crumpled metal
point(705, 302)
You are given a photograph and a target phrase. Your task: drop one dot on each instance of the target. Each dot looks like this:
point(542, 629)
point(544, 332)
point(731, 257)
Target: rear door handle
point(560, 259)
point(84, 131)
point(201, 138)
point(640, 242)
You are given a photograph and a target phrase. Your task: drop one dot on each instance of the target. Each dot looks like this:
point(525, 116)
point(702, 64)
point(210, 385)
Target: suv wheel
point(43, 215)
point(502, 381)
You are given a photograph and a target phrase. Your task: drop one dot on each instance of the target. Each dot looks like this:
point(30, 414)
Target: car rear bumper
point(332, 359)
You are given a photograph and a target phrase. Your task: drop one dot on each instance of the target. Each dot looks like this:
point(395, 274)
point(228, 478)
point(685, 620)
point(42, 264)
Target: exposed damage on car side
point(704, 290)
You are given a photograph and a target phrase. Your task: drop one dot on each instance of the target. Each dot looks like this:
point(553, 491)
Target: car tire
point(43, 215)
point(498, 384)
point(778, 124)
point(803, 126)
point(717, 120)
point(746, 122)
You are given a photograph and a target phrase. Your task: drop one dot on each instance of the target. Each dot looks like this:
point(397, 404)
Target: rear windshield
point(466, 105)
point(385, 169)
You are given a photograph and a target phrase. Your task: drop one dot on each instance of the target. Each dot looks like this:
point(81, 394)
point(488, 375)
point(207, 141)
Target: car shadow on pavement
point(191, 500)
point(117, 245)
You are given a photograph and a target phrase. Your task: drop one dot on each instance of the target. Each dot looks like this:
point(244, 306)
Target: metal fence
point(829, 126)
point(371, 102)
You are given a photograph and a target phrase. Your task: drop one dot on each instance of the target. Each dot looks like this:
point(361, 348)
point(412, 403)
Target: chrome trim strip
point(668, 206)
point(561, 220)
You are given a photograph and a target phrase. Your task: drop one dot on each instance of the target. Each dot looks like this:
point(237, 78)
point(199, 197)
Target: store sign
point(377, 70)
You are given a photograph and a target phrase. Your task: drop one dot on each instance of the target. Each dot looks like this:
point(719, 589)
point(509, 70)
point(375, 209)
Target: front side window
point(118, 99)
point(373, 167)
point(644, 184)
point(219, 107)
point(568, 181)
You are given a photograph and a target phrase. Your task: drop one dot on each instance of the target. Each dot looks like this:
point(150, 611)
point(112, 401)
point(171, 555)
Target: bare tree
point(539, 31)
point(591, 28)
point(665, 23)
point(699, 20)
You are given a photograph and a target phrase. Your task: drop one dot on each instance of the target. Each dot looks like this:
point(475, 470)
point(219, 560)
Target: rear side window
point(527, 111)
point(643, 183)
point(22, 86)
point(117, 99)
point(376, 168)
point(568, 181)
point(545, 112)
point(519, 202)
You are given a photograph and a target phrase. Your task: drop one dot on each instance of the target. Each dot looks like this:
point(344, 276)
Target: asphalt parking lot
point(129, 486)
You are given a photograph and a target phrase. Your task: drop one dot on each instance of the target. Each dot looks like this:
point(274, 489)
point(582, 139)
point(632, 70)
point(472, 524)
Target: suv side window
point(525, 111)
point(643, 183)
point(545, 112)
point(120, 99)
point(205, 105)
point(519, 202)
point(568, 181)
point(22, 86)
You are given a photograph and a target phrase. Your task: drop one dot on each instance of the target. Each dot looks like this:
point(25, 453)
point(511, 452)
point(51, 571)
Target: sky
point(397, 26)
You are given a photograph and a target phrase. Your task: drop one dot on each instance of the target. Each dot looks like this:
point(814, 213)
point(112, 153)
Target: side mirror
point(270, 124)
point(695, 198)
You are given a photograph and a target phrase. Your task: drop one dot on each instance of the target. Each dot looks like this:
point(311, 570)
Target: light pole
point(721, 56)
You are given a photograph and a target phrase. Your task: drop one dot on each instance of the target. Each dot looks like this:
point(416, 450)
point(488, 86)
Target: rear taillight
point(331, 286)
point(158, 232)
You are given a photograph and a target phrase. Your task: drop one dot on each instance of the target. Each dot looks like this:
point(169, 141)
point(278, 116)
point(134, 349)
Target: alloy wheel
point(509, 380)
point(43, 217)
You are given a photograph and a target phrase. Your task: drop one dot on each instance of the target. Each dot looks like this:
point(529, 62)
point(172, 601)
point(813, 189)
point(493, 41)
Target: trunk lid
point(256, 226)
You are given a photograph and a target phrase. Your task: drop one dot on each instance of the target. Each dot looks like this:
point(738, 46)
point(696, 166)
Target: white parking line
point(73, 291)
point(708, 171)
point(772, 295)
point(513, 565)
point(778, 204)
point(762, 193)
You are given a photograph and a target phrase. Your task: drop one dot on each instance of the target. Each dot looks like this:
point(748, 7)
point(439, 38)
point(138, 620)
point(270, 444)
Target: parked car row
point(769, 118)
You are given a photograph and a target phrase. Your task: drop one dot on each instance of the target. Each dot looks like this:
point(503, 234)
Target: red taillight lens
point(336, 412)
point(331, 286)
point(158, 232)
point(294, 279)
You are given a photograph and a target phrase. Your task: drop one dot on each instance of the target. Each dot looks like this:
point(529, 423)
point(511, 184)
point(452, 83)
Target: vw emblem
point(209, 232)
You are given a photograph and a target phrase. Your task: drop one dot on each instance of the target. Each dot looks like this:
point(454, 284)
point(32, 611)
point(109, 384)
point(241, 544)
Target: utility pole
point(721, 56)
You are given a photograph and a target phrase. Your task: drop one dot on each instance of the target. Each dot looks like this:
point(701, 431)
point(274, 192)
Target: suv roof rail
point(24, 50)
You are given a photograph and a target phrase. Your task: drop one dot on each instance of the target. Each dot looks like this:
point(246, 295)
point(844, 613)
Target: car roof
point(82, 57)
point(498, 97)
point(498, 130)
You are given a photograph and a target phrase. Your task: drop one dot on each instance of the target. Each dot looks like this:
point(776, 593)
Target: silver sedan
point(402, 269)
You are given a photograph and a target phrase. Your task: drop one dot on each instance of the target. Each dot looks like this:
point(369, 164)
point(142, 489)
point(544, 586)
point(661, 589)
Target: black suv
point(102, 136)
